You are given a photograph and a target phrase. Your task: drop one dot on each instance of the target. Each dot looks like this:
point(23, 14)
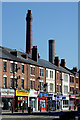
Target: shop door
point(33, 104)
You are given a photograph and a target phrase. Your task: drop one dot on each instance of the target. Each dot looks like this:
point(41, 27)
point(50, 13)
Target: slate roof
point(49, 65)
point(5, 54)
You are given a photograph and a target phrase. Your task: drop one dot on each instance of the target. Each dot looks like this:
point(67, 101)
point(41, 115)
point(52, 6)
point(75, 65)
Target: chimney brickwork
point(51, 51)
point(29, 33)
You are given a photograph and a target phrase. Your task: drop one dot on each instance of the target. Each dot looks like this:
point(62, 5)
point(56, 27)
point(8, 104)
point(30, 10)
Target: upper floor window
point(11, 67)
point(40, 85)
point(72, 89)
point(77, 79)
point(46, 73)
point(15, 83)
point(5, 66)
point(22, 68)
point(5, 82)
point(51, 74)
point(57, 88)
point(58, 76)
point(60, 89)
point(51, 87)
point(11, 82)
point(32, 84)
point(40, 72)
point(15, 67)
point(22, 83)
point(65, 89)
point(65, 77)
point(32, 70)
point(71, 79)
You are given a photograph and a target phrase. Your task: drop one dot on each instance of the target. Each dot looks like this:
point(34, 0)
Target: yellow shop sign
point(22, 93)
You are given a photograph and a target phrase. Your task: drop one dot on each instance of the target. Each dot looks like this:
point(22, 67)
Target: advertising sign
point(22, 93)
point(33, 93)
point(7, 93)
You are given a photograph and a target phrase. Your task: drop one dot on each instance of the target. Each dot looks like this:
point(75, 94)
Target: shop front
point(33, 100)
point(21, 100)
point(42, 101)
point(62, 102)
point(51, 104)
point(8, 97)
point(72, 102)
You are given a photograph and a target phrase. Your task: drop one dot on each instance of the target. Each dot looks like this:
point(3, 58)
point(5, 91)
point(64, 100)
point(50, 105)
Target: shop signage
point(73, 97)
point(43, 94)
point(33, 93)
point(60, 97)
point(49, 95)
point(7, 93)
point(63, 97)
point(22, 93)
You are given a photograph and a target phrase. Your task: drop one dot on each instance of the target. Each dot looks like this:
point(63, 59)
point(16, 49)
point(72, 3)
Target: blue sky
point(56, 20)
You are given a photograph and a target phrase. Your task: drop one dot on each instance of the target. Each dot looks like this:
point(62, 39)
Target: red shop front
point(72, 102)
point(42, 101)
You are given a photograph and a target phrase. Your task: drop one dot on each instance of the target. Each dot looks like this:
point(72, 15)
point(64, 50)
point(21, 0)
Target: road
point(42, 116)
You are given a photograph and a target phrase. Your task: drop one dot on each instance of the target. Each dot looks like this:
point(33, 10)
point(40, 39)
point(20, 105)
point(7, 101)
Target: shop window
point(22, 68)
point(32, 70)
point(40, 72)
point(47, 73)
point(11, 67)
point(5, 66)
point(5, 82)
point(65, 103)
point(51, 87)
point(51, 74)
point(22, 83)
point(40, 85)
point(65, 89)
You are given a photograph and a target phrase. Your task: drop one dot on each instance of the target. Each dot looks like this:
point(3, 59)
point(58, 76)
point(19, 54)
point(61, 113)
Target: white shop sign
point(33, 93)
point(7, 93)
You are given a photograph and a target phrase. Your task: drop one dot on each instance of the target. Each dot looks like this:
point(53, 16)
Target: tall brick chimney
point(51, 51)
point(57, 61)
point(63, 63)
point(35, 53)
point(29, 32)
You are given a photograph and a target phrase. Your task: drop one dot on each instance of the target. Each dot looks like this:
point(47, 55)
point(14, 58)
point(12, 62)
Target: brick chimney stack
point(63, 63)
point(51, 51)
point(35, 53)
point(57, 61)
point(29, 32)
